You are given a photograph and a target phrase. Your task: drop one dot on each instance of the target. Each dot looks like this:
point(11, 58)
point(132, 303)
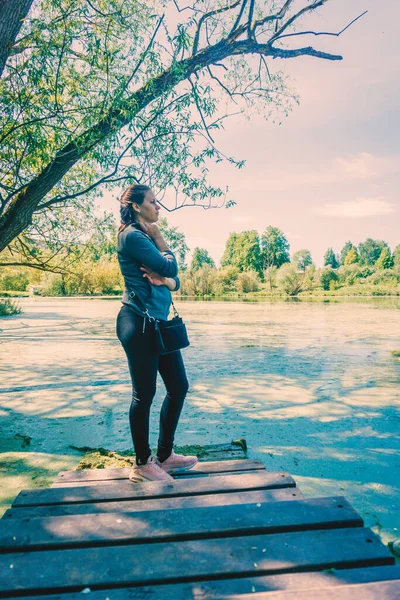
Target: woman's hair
point(134, 193)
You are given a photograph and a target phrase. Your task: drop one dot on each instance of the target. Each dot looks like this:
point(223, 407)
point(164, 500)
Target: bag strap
point(140, 304)
point(176, 314)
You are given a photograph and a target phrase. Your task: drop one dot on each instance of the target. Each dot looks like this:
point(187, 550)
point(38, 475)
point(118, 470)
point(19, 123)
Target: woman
point(150, 270)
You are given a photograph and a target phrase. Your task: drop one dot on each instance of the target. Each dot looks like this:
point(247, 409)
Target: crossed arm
point(158, 263)
point(157, 279)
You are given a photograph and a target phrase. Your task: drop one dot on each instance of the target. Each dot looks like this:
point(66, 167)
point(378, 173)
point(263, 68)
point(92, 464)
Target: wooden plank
point(116, 566)
point(202, 468)
point(383, 590)
point(188, 523)
point(125, 490)
point(176, 476)
point(201, 590)
point(141, 504)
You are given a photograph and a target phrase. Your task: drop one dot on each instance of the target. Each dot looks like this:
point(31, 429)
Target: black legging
point(143, 364)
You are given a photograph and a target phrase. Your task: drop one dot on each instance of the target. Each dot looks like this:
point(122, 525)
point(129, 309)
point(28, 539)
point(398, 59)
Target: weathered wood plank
point(73, 570)
point(176, 476)
point(202, 468)
point(222, 588)
point(384, 590)
point(125, 490)
point(188, 523)
point(141, 504)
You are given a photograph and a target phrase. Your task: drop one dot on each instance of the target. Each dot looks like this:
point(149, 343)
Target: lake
point(312, 386)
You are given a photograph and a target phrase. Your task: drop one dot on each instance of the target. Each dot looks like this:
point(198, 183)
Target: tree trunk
point(12, 14)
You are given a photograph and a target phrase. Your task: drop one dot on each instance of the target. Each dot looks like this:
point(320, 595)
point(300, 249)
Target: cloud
point(355, 209)
point(333, 171)
point(365, 165)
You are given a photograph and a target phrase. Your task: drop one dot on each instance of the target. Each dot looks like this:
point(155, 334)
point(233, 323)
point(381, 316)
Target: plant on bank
point(328, 278)
point(289, 280)
point(9, 307)
point(247, 282)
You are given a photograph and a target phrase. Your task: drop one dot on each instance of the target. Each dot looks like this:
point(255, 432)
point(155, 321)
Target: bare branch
point(236, 24)
point(206, 16)
point(221, 84)
point(182, 9)
point(40, 267)
point(301, 12)
point(250, 31)
point(99, 12)
point(149, 45)
point(323, 32)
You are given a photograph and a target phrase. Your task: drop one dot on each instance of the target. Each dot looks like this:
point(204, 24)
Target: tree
point(275, 249)
point(344, 251)
point(201, 257)
point(370, 251)
point(242, 250)
point(326, 277)
point(200, 282)
point(310, 280)
point(12, 15)
point(93, 98)
point(289, 280)
point(226, 279)
point(385, 261)
point(247, 281)
point(330, 259)
point(396, 256)
point(351, 257)
point(302, 259)
point(176, 240)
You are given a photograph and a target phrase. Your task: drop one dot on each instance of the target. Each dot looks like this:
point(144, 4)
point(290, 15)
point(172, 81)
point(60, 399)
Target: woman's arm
point(172, 283)
point(143, 250)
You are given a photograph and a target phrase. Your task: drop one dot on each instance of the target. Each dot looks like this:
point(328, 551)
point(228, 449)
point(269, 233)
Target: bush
point(327, 277)
point(387, 277)
point(349, 274)
point(200, 282)
point(289, 280)
point(310, 281)
point(99, 277)
point(8, 307)
point(14, 279)
point(106, 276)
point(248, 281)
point(225, 280)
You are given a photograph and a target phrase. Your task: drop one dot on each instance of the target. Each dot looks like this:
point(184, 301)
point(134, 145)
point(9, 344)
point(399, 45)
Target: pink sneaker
point(151, 471)
point(177, 462)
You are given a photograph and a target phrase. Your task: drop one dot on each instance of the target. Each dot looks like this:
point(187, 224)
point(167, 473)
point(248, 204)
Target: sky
point(331, 171)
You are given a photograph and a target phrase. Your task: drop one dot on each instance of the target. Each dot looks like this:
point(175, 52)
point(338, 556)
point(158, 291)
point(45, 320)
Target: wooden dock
point(226, 529)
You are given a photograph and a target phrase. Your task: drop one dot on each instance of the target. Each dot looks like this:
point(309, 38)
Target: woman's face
point(149, 209)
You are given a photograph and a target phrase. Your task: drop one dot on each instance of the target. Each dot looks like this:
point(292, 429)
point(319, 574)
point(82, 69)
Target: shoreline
point(206, 298)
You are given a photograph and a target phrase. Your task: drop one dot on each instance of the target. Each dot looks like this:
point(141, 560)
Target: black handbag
point(170, 336)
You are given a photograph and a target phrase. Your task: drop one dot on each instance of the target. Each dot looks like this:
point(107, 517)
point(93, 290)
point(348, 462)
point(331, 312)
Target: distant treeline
point(250, 264)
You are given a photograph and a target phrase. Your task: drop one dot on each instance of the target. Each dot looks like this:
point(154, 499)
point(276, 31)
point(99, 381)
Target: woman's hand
point(156, 279)
point(153, 277)
point(151, 229)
